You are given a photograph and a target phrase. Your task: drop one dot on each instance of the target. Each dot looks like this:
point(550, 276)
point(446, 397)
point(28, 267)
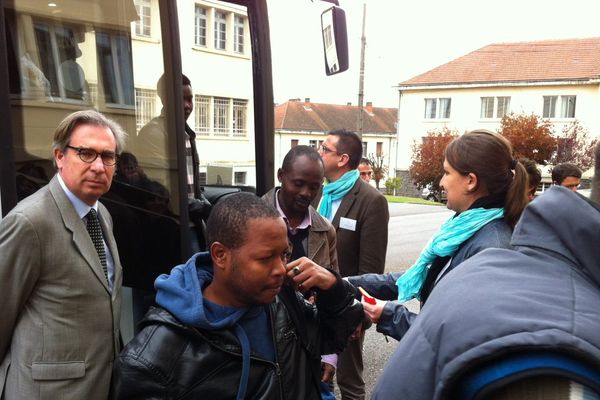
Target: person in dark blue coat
point(487, 190)
point(533, 304)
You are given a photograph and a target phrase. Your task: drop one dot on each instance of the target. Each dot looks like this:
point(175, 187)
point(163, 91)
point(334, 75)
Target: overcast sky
point(406, 38)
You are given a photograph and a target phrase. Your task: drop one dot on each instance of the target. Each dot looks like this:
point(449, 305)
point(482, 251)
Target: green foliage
point(393, 184)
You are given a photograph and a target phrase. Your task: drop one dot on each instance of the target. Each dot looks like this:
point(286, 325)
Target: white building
point(305, 123)
point(215, 46)
point(558, 80)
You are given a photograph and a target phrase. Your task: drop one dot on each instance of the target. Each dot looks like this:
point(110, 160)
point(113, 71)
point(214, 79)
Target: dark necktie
point(93, 227)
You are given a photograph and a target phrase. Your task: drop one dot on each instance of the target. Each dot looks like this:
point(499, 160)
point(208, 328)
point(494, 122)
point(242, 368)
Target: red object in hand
point(368, 299)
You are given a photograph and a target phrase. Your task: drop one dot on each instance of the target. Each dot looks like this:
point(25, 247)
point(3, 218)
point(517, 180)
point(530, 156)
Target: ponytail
point(516, 197)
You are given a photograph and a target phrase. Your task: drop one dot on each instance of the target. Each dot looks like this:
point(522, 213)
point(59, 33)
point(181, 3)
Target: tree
point(379, 170)
point(530, 136)
point(575, 146)
point(393, 184)
point(428, 158)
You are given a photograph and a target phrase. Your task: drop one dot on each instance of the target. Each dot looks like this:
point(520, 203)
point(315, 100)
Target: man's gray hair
point(64, 130)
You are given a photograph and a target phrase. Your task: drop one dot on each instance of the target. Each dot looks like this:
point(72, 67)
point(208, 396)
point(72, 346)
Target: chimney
point(369, 107)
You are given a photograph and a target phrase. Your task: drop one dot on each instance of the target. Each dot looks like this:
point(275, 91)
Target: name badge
point(347, 223)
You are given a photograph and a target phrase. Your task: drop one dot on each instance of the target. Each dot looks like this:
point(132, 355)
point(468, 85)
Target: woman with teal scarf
point(488, 191)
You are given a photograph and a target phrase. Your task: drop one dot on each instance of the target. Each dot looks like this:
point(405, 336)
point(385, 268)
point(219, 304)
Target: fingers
point(373, 311)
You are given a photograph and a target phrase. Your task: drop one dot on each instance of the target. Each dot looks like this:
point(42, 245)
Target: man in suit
point(360, 215)
point(60, 274)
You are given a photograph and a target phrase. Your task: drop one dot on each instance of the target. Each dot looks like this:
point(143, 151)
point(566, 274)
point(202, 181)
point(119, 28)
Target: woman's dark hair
point(488, 155)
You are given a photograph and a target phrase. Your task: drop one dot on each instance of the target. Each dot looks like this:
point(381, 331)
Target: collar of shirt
point(306, 222)
point(80, 207)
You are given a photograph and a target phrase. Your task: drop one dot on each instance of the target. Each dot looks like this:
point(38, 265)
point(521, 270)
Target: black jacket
point(168, 360)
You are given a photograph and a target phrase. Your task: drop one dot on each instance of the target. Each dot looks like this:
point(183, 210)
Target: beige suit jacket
point(60, 324)
point(321, 244)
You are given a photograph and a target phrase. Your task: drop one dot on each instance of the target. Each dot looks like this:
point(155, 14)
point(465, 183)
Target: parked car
point(433, 195)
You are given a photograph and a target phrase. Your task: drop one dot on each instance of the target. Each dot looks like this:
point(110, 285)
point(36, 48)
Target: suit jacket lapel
point(346, 204)
point(81, 237)
point(112, 245)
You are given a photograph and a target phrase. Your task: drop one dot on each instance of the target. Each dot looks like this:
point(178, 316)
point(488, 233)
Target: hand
point(327, 372)
point(357, 332)
point(199, 209)
point(306, 275)
point(373, 311)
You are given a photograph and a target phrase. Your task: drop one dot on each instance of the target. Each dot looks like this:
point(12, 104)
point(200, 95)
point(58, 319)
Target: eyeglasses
point(86, 155)
point(326, 149)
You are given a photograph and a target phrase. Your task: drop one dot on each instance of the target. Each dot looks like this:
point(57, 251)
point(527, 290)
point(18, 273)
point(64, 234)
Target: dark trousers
point(350, 370)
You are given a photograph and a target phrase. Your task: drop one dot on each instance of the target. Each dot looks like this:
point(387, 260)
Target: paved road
point(410, 227)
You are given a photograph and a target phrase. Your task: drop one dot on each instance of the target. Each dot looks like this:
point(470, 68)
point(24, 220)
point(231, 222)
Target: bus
point(60, 56)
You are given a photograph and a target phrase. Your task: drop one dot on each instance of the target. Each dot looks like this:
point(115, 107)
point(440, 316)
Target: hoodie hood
point(180, 293)
point(572, 226)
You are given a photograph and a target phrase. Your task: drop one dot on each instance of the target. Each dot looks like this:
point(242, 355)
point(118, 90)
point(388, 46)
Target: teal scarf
point(333, 191)
point(451, 235)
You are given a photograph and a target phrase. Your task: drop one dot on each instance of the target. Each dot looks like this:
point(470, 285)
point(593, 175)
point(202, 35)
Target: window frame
point(145, 106)
point(202, 114)
point(434, 108)
point(239, 23)
point(199, 38)
point(220, 30)
point(567, 108)
point(143, 26)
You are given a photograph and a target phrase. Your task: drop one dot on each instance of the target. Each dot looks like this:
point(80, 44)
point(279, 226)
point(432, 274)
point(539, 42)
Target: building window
point(379, 149)
point(567, 106)
point(220, 30)
point(143, 25)
point(202, 114)
point(239, 178)
point(499, 104)
point(430, 108)
point(444, 112)
point(487, 107)
point(567, 109)
point(549, 106)
point(240, 110)
point(200, 26)
point(221, 116)
point(202, 178)
point(437, 108)
point(312, 143)
point(238, 36)
point(145, 101)
point(364, 149)
point(114, 60)
point(294, 143)
point(503, 106)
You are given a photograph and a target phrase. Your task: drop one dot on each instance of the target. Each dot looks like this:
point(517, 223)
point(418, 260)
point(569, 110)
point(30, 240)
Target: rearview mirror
point(335, 40)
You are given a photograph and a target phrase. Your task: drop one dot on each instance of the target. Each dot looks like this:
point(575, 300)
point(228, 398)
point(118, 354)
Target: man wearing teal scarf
point(360, 215)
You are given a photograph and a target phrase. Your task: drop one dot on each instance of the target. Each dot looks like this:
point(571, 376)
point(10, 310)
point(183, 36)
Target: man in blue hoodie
point(231, 324)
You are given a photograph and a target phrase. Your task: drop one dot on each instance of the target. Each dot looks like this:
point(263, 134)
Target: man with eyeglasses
point(60, 274)
point(360, 215)
point(567, 175)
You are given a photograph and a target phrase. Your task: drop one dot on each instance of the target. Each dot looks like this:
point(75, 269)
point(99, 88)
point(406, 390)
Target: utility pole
point(361, 80)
